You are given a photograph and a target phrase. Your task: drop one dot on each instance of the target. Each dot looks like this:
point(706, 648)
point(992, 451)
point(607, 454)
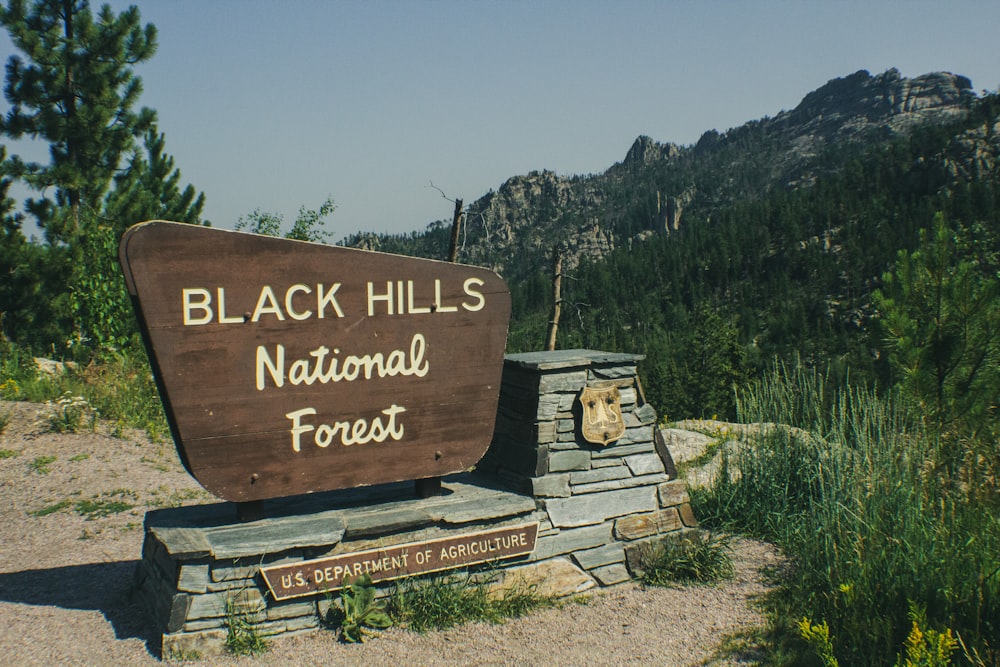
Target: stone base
point(598, 509)
point(199, 565)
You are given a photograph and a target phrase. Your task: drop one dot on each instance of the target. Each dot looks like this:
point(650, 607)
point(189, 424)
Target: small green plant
point(243, 636)
point(695, 558)
point(69, 413)
point(115, 502)
point(4, 421)
point(818, 639)
point(80, 457)
point(926, 648)
point(40, 464)
point(180, 655)
point(8, 453)
point(10, 390)
point(52, 509)
point(359, 611)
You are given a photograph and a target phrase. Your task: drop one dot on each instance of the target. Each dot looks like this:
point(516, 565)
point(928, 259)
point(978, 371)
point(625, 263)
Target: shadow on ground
point(103, 587)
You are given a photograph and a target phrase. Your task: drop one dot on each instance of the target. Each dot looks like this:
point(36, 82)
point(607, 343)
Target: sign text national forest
point(289, 367)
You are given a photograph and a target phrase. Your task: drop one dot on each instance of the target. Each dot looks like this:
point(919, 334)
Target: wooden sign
point(326, 574)
point(289, 367)
point(602, 415)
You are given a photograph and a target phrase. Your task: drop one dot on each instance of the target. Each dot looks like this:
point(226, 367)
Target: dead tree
point(556, 298)
point(456, 227)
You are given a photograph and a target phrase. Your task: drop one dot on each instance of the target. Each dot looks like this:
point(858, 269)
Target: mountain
point(589, 216)
point(776, 231)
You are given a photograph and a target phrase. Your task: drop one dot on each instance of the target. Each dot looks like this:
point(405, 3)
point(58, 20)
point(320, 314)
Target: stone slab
point(274, 535)
point(556, 359)
point(609, 575)
point(623, 450)
point(548, 407)
point(673, 493)
point(557, 382)
point(598, 475)
point(556, 577)
point(569, 540)
point(611, 372)
point(594, 508)
point(562, 461)
point(193, 578)
point(624, 483)
point(638, 526)
point(551, 486)
point(588, 559)
point(644, 464)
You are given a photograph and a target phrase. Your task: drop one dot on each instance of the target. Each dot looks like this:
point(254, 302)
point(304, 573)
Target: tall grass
point(118, 385)
point(873, 517)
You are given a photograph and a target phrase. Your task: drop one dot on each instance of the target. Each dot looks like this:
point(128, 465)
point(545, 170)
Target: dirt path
point(71, 508)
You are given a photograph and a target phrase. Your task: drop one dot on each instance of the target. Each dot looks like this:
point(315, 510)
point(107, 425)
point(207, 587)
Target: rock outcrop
point(660, 185)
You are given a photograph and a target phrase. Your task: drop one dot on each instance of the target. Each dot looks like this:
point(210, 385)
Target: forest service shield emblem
point(602, 415)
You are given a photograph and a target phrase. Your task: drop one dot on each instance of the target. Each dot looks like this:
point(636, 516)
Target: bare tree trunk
point(69, 101)
point(456, 226)
point(556, 298)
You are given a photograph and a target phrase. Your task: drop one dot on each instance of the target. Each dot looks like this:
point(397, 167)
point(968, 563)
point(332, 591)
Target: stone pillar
point(601, 503)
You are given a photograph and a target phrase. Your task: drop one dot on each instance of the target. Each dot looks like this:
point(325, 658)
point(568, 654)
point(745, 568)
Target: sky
point(385, 105)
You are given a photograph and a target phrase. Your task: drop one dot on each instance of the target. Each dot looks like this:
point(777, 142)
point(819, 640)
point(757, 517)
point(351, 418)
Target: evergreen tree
point(76, 90)
point(940, 316)
point(73, 86)
point(149, 190)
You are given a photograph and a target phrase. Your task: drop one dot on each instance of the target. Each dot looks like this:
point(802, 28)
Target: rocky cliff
point(659, 186)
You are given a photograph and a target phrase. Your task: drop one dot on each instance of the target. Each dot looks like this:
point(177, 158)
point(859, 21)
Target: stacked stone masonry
point(603, 505)
point(598, 509)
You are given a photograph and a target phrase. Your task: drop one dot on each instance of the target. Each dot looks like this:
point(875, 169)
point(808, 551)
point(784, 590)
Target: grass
point(106, 504)
point(8, 453)
point(118, 386)
point(165, 497)
point(4, 421)
point(70, 413)
point(437, 603)
point(52, 509)
point(877, 516)
point(697, 557)
point(40, 464)
point(243, 636)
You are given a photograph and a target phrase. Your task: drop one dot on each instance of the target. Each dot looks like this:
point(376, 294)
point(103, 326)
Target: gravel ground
point(66, 568)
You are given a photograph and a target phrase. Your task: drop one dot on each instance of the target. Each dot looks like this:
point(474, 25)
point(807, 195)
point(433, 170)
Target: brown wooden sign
point(326, 574)
point(289, 367)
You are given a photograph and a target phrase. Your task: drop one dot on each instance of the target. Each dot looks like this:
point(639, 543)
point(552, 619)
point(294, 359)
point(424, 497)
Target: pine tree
point(75, 89)
point(940, 316)
point(149, 190)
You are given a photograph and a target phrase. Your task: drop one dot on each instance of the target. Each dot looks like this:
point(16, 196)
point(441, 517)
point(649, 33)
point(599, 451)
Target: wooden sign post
point(289, 367)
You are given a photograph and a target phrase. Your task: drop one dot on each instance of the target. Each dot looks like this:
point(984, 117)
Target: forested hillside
point(765, 241)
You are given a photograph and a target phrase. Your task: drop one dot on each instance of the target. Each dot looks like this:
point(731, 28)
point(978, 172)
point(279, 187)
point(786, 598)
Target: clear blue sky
point(275, 105)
